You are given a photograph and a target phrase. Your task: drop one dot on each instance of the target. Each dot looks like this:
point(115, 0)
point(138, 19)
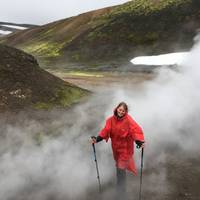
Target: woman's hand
point(143, 145)
point(140, 144)
point(93, 140)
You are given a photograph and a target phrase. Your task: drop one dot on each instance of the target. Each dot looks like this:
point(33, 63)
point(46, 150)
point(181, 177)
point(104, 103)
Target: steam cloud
point(60, 165)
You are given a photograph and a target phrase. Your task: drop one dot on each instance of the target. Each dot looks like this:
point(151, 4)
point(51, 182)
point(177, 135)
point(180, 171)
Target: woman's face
point(121, 111)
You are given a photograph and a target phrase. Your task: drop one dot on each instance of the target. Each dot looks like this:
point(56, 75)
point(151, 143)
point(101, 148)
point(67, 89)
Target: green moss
point(44, 49)
point(136, 25)
point(145, 7)
point(143, 38)
point(2, 41)
point(152, 35)
point(85, 74)
point(137, 8)
point(48, 33)
point(64, 97)
point(76, 57)
point(129, 18)
point(43, 105)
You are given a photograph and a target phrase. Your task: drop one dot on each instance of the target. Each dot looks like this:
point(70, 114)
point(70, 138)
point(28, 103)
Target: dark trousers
point(121, 183)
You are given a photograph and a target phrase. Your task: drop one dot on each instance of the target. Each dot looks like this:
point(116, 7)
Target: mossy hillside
point(139, 27)
point(51, 92)
point(146, 7)
point(46, 42)
point(44, 49)
point(23, 84)
point(135, 8)
point(64, 97)
point(113, 34)
point(53, 35)
point(49, 39)
point(47, 53)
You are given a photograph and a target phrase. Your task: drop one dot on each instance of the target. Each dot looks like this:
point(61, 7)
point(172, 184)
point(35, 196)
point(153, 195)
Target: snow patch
point(163, 59)
point(16, 27)
point(5, 32)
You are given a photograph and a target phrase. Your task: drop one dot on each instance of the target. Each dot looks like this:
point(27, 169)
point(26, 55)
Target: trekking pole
point(95, 159)
point(142, 157)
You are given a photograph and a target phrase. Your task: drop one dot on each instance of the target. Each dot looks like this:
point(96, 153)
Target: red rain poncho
point(123, 132)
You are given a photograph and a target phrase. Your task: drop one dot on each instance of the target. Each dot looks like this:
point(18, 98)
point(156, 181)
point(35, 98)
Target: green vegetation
point(135, 8)
point(43, 105)
point(86, 74)
point(64, 97)
point(76, 57)
point(44, 49)
point(145, 38)
point(2, 41)
point(146, 7)
point(76, 73)
point(147, 26)
point(137, 21)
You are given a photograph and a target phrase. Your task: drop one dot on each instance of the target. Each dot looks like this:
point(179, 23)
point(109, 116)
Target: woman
point(123, 131)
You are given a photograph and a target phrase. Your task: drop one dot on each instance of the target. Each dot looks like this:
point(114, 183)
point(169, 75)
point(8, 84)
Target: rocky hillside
point(24, 84)
point(112, 36)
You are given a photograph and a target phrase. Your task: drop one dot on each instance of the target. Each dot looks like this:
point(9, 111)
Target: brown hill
point(113, 35)
point(24, 84)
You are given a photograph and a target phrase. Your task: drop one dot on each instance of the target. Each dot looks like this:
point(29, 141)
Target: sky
point(45, 11)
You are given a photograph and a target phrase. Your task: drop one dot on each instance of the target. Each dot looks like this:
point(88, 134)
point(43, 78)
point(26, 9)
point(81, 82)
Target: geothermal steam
point(60, 165)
